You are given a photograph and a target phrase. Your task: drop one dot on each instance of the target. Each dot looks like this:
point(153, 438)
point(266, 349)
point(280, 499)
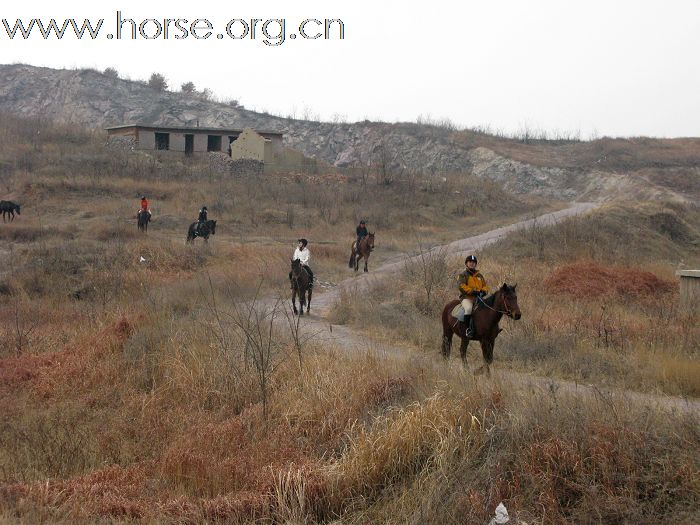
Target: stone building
point(255, 145)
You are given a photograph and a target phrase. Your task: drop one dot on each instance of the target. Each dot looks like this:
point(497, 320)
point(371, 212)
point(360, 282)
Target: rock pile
point(121, 143)
point(223, 164)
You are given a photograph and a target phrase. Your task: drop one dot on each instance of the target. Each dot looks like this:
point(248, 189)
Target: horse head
point(370, 241)
point(298, 271)
point(509, 300)
point(213, 227)
point(17, 209)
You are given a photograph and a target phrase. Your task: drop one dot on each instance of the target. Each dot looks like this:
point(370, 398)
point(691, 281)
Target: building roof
point(688, 273)
point(184, 129)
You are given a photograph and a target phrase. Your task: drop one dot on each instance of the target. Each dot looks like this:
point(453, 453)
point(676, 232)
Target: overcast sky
point(614, 67)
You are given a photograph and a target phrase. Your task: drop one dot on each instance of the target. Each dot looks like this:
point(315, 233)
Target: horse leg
point(357, 261)
point(366, 264)
point(302, 301)
point(294, 300)
point(308, 301)
point(446, 343)
point(487, 352)
point(463, 351)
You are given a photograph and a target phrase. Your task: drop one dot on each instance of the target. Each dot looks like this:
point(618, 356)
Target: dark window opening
point(214, 143)
point(189, 144)
point(162, 140)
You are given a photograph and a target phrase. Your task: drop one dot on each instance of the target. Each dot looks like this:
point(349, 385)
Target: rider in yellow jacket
point(471, 285)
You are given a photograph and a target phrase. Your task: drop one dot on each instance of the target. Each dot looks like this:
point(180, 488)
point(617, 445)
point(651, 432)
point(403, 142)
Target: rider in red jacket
point(144, 207)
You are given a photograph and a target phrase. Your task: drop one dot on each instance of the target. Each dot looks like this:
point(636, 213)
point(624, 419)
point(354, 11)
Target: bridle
point(508, 310)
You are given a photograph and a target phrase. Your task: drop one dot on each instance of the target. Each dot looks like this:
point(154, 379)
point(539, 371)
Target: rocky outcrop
point(90, 98)
point(522, 178)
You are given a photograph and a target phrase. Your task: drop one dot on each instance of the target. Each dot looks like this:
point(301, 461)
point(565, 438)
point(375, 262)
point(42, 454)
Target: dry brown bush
point(588, 279)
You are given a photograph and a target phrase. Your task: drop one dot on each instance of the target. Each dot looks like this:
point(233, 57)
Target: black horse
point(301, 285)
point(9, 208)
point(203, 231)
point(142, 220)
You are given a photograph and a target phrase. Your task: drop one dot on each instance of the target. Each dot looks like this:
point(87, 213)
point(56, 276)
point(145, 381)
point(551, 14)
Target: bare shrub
point(429, 269)
point(49, 443)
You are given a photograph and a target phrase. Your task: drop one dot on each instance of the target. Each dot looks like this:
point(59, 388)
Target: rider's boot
point(468, 325)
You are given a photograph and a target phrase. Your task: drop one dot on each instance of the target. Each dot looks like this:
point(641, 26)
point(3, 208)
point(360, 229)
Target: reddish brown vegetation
point(591, 280)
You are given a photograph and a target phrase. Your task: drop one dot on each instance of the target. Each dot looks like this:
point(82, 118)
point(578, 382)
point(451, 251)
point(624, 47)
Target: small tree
point(188, 87)
point(157, 82)
point(111, 72)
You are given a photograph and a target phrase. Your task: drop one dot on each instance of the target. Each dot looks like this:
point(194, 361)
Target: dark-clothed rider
point(361, 232)
point(202, 217)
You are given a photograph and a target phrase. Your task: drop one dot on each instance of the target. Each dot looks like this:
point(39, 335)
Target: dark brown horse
point(142, 220)
point(361, 251)
point(9, 208)
point(486, 316)
point(301, 285)
point(204, 230)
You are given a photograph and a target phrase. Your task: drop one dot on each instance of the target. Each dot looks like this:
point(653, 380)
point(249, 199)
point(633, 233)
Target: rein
point(508, 311)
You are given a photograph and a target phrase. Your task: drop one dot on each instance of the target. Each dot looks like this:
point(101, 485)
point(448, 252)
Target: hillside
point(135, 387)
point(641, 168)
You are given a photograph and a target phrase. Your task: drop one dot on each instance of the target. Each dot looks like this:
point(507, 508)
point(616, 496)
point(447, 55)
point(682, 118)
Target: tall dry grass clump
point(399, 446)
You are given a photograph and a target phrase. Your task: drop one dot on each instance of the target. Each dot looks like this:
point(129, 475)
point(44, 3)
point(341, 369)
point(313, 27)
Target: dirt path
point(348, 339)
point(322, 302)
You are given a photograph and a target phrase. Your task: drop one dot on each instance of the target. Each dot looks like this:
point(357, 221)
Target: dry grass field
point(148, 391)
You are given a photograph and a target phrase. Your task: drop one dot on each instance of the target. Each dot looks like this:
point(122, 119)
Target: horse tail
point(351, 262)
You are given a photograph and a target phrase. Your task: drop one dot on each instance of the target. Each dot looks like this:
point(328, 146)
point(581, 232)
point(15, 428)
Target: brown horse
point(301, 285)
point(360, 251)
point(486, 316)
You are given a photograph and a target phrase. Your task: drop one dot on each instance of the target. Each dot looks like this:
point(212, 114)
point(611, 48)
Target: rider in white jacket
point(304, 255)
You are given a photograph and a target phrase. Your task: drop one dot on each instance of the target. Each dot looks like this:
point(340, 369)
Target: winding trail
point(324, 301)
point(348, 339)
